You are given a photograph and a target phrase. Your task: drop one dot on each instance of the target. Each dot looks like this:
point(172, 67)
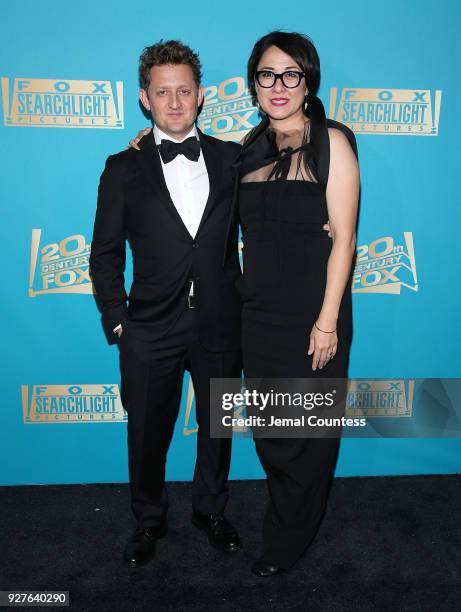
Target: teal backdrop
point(406, 320)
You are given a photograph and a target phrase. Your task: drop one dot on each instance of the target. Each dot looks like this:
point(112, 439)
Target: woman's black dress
point(282, 208)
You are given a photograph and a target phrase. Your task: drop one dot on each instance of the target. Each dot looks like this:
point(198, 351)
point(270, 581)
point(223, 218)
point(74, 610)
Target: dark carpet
point(387, 543)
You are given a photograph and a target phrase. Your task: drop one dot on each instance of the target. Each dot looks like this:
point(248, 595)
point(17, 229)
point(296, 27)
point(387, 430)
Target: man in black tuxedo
point(172, 202)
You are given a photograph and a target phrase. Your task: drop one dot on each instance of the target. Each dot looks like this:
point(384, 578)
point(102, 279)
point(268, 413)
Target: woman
point(297, 170)
point(295, 286)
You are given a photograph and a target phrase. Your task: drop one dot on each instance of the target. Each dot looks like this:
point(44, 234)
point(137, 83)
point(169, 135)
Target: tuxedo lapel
point(148, 159)
point(214, 168)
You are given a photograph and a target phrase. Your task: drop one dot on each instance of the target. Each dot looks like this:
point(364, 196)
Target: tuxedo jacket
point(134, 206)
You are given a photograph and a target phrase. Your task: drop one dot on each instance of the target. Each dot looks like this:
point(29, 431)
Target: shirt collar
point(159, 135)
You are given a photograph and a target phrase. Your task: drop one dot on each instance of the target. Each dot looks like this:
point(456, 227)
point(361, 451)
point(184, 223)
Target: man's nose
point(174, 101)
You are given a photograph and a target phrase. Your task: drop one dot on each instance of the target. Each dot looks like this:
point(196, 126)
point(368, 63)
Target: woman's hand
point(323, 345)
point(134, 142)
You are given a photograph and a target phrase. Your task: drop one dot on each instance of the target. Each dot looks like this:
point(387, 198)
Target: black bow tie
point(190, 148)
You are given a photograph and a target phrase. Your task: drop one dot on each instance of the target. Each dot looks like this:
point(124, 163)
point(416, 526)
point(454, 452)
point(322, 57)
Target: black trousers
point(299, 471)
point(299, 475)
point(151, 386)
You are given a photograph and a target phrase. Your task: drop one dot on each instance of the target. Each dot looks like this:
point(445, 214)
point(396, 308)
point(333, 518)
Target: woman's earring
point(260, 110)
point(306, 101)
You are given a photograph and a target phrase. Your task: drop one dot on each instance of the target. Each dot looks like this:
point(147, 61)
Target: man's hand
point(134, 142)
point(326, 227)
point(119, 330)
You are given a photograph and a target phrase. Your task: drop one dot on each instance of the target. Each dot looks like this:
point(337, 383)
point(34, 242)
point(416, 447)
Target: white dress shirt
point(188, 184)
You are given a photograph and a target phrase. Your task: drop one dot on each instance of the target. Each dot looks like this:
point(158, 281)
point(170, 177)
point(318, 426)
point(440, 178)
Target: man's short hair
point(168, 52)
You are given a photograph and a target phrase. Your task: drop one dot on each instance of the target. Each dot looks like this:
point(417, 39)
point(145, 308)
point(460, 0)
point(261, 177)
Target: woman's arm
point(342, 200)
point(134, 141)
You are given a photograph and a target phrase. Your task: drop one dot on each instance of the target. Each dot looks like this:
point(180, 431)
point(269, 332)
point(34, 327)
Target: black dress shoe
point(140, 548)
point(221, 534)
point(265, 569)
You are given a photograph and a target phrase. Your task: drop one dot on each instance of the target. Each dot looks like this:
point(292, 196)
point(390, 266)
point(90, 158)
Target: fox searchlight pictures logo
point(228, 112)
point(404, 112)
point(380, 398)
point(72, 404)
point(30, 102)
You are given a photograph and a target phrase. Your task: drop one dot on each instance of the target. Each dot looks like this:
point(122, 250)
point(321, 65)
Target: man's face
point(173, 98)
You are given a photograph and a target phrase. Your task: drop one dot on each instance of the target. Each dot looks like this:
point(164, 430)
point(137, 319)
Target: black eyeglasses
point(290, 78)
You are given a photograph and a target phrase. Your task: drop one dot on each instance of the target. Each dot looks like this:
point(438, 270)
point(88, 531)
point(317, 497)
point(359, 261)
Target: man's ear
point(201, 95)
point(144, 99)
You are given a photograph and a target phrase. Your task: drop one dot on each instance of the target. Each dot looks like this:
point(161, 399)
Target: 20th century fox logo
point(62, 103)
point(385, 266)
point(59, 267)
point(405, 112)
point(228, 112)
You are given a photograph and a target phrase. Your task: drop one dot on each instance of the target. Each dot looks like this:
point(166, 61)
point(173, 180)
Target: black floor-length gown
point(282, 208)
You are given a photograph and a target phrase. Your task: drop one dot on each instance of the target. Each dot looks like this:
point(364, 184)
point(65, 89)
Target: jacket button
point(195, 245)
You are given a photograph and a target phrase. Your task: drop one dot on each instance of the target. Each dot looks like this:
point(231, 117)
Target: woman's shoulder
point(248, 136)
point(255, 131)
point(340, 134)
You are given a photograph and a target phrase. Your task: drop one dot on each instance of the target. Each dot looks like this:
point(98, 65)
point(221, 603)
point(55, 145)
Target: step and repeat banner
point(70, 98)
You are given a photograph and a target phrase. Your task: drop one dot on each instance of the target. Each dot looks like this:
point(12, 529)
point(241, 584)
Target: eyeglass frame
point(279, 75)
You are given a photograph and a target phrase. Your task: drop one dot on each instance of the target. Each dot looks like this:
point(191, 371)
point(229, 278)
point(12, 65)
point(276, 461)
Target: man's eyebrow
point(170, 86)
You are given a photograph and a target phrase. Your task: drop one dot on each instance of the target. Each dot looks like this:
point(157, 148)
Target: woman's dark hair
point(297, 46)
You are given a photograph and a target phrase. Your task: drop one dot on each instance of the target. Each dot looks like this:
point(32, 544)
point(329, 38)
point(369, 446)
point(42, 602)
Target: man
point(171, 201)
